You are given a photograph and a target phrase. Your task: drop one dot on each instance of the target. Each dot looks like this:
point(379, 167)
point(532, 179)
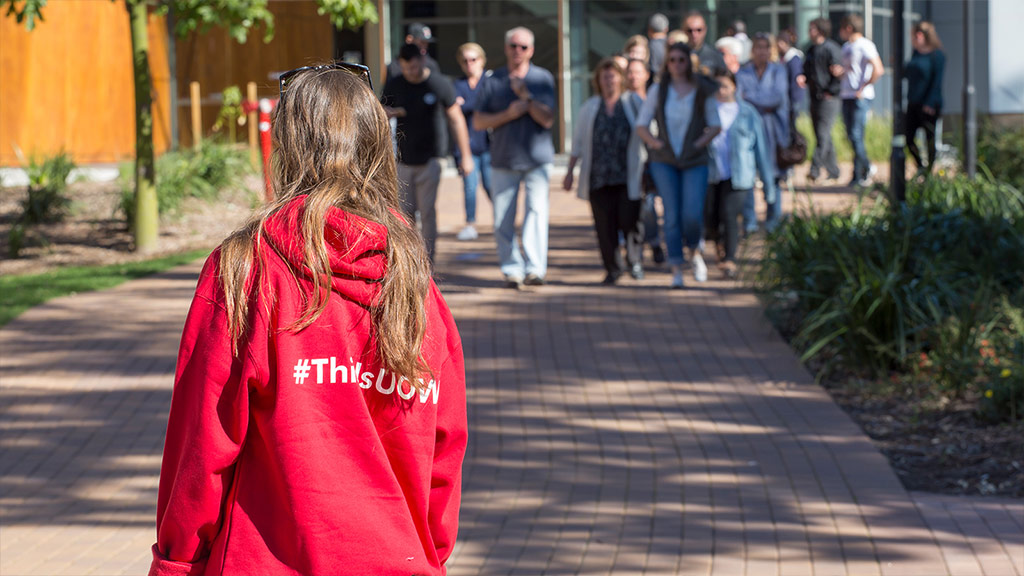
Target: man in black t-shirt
point(423, 102)
point(823, 68)
point(420, 35)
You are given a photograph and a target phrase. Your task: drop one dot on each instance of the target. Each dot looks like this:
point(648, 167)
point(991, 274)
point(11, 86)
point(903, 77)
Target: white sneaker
point(700, 269)
point(677, 281)
point(467, 233)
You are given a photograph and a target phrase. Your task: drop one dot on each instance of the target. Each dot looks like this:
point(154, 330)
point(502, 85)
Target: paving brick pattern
point(614, 430)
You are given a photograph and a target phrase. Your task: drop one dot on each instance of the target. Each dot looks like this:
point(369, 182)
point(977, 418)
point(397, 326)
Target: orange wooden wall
point(68, 84)
point(216, 61)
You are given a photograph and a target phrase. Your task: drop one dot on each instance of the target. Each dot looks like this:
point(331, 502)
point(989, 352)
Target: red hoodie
point(302, 454)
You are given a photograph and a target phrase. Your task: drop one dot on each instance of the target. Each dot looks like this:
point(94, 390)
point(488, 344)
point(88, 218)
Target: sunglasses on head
point(358, 69)
point(523, 47)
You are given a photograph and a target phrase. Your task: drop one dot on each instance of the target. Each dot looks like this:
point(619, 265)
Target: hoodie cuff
point(164, 566)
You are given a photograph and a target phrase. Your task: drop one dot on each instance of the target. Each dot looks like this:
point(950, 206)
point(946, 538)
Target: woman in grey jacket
point(611, 160)
point(737, 152)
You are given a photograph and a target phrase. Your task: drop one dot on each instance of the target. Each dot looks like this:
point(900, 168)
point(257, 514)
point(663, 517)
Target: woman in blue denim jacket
point(738, 152)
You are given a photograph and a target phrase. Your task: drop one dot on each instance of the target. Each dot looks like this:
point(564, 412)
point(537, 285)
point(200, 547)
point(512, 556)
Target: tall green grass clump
point(46, 199)
point(199, 173)
point(932, 289)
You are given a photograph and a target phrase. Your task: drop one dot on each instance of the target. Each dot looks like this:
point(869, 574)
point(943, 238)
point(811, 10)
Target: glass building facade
point(572, 36)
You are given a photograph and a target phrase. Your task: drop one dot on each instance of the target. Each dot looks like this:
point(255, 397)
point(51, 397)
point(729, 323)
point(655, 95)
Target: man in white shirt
point(862, 67)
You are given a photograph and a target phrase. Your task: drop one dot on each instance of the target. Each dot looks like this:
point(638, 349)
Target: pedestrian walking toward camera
point(473, 61)
point(823, 69)
point(862, 67)
point(421, 35)
point(318, 419)
point(684, 108)
point(637, 82)
point(696, 29)
point(611, 160)
point(739, 152)
point(765, 85)
point(517, 105)
point(924, 92)
point(424, 104)
point(657, 32)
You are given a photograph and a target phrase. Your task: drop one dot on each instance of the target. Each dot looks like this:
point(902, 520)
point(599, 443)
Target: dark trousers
point(918, 118)
point(614, 212)
point(823, 116)
point(724, 206)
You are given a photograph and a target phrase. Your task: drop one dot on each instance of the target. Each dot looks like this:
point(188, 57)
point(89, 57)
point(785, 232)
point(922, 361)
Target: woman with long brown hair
point(318, 420)
point(924, 92)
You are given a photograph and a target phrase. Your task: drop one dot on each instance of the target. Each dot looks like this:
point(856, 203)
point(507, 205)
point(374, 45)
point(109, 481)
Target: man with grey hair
point(657, 31)
point(516, 103)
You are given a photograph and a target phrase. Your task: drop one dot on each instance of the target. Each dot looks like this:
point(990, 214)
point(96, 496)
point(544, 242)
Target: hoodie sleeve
point(205, 430)
point(449, 450)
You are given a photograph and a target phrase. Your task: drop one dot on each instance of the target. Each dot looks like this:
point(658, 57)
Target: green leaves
point(348, 14)
point(238, 17)
point(30, 11)
point(874, 290)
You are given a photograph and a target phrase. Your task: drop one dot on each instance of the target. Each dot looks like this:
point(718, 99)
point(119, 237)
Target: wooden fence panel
point(67, 85)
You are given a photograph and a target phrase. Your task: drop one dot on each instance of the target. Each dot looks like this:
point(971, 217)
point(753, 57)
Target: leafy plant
point(885, 288)
point(230, 113)
point(47, 199)
point(1001, 150)
point(187, 173)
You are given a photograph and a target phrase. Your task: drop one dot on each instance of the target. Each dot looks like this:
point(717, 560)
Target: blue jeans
point(750, 212)
point(855, 116)
point(682, 195)
point(482, 171)
point(535, 222)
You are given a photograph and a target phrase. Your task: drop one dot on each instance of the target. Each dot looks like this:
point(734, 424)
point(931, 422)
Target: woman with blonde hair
point(637, 48)
point(924, 91)
point(473, 61)
point(611, 160)
point(318, 419)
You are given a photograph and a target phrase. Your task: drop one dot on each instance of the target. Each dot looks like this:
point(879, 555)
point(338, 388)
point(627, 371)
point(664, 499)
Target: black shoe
point(533, 280)
point(610, 279)
point(657, 254)
point(513, 282)
point(637, 271)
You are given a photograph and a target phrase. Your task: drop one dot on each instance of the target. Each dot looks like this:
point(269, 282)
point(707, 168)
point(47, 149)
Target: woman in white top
point(685, 112)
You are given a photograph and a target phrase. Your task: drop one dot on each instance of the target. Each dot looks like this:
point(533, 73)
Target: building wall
point(1006, 81)
point(67, 85)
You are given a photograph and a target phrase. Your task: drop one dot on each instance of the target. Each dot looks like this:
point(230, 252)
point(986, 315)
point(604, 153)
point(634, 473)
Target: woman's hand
point(567, 183)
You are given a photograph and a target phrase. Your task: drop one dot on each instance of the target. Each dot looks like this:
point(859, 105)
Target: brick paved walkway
point(614, 430)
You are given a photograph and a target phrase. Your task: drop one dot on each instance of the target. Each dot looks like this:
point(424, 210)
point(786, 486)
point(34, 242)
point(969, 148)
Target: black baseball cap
point(421, 32)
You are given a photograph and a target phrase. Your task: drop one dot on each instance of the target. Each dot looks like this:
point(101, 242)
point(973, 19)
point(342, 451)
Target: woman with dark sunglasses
point(685, 113)
point(318, 419)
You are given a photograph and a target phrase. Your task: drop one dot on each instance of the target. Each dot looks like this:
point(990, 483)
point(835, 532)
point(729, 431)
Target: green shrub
point(877, 138)
point(883, 288)
point(47, 199)
point(1001, 150)
point(16, 239)
point(187, 173)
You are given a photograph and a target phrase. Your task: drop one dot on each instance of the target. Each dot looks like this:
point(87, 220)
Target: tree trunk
point(146, 213)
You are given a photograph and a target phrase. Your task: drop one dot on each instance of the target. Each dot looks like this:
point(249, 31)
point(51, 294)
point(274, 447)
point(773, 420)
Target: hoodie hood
point(356, 249)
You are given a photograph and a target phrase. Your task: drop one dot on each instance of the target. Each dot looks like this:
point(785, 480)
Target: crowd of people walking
point(675, 120)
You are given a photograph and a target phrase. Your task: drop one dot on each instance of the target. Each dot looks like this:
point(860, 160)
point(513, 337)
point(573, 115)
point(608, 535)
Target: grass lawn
point(19, 293)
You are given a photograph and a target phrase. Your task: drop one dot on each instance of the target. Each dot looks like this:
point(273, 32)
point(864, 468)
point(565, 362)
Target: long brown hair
point(931, 37)
point(332, 143)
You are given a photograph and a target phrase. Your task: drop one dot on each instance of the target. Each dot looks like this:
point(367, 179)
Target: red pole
point(265, 107)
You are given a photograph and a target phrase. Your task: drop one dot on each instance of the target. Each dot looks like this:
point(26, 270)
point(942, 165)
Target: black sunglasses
point(522, 47)
point(357, 69)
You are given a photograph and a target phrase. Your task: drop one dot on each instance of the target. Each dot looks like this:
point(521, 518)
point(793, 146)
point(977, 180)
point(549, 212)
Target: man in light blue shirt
point(517, 104)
